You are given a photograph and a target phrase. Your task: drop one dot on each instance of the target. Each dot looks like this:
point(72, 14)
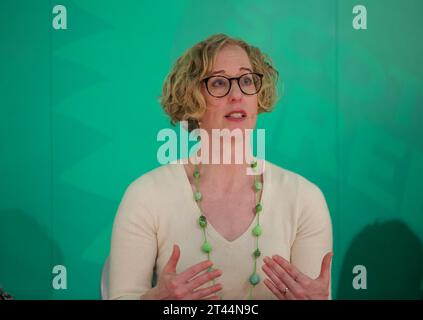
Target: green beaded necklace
point(254, 278)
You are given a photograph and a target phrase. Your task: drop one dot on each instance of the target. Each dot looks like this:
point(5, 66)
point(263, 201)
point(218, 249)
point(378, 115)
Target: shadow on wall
point(26, 253)
point(393, 257)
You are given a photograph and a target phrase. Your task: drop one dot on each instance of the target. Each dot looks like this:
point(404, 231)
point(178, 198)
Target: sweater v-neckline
point(212, 232)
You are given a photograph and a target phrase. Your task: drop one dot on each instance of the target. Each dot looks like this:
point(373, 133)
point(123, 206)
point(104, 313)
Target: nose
point(235, 93)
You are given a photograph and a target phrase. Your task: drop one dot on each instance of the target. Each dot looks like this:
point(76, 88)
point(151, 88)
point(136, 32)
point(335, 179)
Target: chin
point(241, 126)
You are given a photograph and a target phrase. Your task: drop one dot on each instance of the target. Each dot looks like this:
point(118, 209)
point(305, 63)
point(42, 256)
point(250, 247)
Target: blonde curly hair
point(181, 96)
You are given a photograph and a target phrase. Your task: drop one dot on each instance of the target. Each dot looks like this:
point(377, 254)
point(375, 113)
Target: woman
point(212, 230)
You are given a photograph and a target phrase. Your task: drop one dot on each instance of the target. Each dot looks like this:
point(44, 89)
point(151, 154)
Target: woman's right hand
point(172, 286)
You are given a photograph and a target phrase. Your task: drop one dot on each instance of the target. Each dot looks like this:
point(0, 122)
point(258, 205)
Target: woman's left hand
point(288, 283)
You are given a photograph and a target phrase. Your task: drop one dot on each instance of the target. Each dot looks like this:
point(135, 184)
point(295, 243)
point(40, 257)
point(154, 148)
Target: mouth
point(236, 115)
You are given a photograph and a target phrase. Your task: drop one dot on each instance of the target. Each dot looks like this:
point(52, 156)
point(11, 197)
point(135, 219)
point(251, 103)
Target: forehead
point(230, 59)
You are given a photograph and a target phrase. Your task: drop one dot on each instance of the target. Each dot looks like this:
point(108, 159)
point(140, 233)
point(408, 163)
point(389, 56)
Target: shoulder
point(157, 174)
point(310, 205)
point(156, 181)
point(296, 183)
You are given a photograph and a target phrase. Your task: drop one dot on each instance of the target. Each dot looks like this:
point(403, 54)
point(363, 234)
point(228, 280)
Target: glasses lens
point(250, 83)
point(218, 86)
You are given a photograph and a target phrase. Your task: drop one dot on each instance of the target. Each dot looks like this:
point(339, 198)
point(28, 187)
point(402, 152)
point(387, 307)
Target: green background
point(79, 116)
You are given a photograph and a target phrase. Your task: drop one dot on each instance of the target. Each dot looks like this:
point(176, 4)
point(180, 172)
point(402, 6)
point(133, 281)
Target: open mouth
point(236, 115)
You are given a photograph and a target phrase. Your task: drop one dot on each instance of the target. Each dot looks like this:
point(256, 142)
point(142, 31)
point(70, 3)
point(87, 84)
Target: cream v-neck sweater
point(158, 210)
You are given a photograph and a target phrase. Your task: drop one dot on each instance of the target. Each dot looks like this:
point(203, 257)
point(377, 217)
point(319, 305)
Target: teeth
point(235, 115)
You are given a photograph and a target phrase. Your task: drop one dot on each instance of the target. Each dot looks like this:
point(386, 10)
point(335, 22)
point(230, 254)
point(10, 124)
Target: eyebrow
point(223, 71)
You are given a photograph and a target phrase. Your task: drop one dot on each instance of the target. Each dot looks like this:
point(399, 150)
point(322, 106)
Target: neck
point(226, 171)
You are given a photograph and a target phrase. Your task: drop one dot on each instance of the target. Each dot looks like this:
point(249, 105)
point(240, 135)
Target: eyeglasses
point(220, 86)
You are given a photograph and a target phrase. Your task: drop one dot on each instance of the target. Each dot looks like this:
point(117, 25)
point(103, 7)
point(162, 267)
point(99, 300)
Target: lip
point(236, 119)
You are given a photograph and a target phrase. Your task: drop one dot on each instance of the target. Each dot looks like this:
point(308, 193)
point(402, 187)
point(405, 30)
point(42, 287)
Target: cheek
point(215, 107)
point(213, 110)
point(211, 102)
point(214, 104)
point(253, 104)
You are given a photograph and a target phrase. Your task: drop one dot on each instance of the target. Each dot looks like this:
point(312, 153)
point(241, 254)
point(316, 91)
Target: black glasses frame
point(206, 80)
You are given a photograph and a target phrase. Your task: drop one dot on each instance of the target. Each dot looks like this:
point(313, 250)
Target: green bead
point(254, 164)
point(197, 196)
point(196, 174)
point(257, 230)
point(206, 247)
point(257, 253)
point(259, 207)
point(202, 221)
point(258, 185)
point(254, 279)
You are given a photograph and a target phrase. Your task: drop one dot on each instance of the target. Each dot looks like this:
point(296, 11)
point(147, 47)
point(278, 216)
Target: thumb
point(325, 270)
point(170, 266)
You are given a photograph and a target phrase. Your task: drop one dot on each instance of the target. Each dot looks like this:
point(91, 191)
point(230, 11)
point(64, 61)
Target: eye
point(246, 80)
point(218, 82)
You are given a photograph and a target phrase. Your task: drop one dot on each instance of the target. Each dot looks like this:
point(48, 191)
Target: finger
point(201, 293)
point(325, 270)
point(283, 276)
point(170, 266)
point(286, 293)
point(275, 279)
point(202, 279)
point(275, 290)
point(193, 270)
point(295, 274)
point(278, 283)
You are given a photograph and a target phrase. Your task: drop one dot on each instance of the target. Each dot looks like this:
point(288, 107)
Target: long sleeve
point(133, 247)
point(314, 231)
point(158, 211)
